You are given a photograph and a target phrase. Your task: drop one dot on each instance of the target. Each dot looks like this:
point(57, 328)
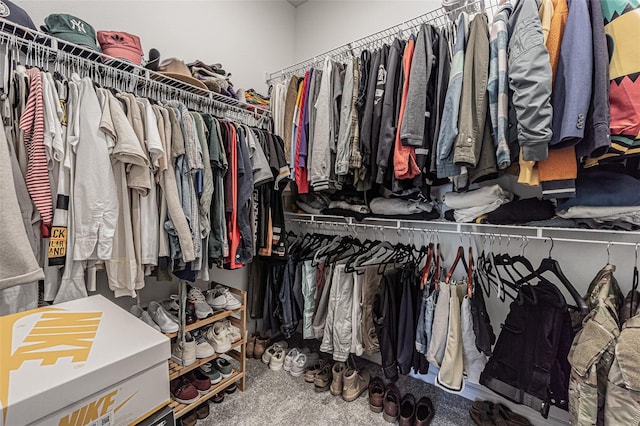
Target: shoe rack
point(238, 318)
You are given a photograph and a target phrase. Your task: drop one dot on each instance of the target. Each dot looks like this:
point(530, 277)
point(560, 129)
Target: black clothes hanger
point(552, 266)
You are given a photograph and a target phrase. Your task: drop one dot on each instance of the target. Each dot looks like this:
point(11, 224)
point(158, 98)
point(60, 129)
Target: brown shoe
point(354, 383)
point(259, 347)
point(424, 412)
point(202, 412)
point(337, 372)
point(407, 410)
point(322, 379)
point(251, 343)
point(391, 403)
point(376, 394)
point(190, 419)
point(310, 374)
point(218, 398)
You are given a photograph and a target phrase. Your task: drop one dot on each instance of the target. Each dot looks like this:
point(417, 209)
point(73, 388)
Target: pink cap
point(121, 45)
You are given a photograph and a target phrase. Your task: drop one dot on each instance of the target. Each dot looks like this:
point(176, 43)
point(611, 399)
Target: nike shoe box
point(87, 362)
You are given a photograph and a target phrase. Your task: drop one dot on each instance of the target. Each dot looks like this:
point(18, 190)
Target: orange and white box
point(82, 363)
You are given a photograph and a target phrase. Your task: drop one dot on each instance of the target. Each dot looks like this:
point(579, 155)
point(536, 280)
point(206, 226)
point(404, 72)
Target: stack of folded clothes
point(254, 98)
point(214, 77)
point(348, 204)
point(606, 199)
point(521, 211)
point(312, 204)
point(399, 208)
point(470, 205)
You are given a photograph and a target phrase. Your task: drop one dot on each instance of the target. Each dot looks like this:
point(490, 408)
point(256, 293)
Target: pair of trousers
point(309, 293)
point(425, 321)
point(386, 305)
point(370, 285)
point(338, 327)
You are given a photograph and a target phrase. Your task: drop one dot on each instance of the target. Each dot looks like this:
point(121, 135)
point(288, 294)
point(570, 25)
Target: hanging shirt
point(32, 123)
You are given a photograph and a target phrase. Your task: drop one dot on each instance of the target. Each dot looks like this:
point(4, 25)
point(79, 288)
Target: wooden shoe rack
point(238, 318)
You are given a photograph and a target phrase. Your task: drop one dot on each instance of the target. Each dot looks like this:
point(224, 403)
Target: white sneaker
point(184, 353)
point(232, 331)
point(288, 359)
point(203, 310)
point(221, 298)
point(302, 363)
point(277, 359)
point(203, 348)
point(161, 317)
point(218, 337)
point(143, 315)
point(271, 350)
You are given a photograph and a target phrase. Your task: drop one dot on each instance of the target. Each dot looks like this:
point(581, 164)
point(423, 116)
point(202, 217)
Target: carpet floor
point(277, 398)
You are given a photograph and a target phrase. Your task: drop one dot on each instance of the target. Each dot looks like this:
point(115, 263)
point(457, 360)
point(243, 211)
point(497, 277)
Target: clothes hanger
point(551, 265)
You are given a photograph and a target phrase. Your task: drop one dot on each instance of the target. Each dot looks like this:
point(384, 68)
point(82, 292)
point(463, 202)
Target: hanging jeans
point(474, 360)
point(309, 293)
point(425, 320)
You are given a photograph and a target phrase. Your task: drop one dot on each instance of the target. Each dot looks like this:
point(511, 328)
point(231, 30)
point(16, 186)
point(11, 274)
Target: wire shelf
point(53, 54)
point(439, 18)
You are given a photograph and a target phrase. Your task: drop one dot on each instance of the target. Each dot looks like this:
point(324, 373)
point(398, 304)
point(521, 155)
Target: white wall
point(249, 38)
point(321, 25)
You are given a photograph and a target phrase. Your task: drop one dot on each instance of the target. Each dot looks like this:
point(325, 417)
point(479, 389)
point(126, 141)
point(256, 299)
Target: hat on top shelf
point(175, 68)
point(16, 14)
point(121, 45)
point(72, 29)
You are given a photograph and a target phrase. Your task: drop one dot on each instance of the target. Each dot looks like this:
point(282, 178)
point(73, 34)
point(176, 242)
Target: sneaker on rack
point(200, 380)
point(183, 391)
point(221, 298)
point(203, 310)
point(232, 331)
point(213, 374)
point(203, 348)
point(172, 304)
point(184, 353)
point(161, 317)
point(218, 337)
point(143, 315)
point(223, 366)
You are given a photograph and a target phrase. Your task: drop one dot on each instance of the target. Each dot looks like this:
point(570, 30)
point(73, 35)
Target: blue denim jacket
point(449, 125)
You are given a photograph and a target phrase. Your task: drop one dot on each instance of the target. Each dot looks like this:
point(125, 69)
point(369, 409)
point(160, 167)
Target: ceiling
point(296, 3)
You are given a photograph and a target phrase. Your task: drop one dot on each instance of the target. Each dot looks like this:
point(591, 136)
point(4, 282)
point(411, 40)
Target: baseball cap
point(16, 14)
point(121, 45)
point(72, 29)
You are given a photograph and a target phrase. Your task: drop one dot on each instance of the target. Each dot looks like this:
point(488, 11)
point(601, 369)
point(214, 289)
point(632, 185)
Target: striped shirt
point(32, 123)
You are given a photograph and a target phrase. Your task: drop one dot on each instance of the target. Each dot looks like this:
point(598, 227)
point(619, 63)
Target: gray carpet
point(277, 398)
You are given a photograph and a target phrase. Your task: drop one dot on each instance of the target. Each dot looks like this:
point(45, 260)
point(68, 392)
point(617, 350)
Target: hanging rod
point(50, 49)
point(520, 232)
point(438, 17)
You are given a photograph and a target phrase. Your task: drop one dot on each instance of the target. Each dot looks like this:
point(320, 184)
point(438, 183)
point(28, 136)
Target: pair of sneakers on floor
point(338, 378)
point(295, 361)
